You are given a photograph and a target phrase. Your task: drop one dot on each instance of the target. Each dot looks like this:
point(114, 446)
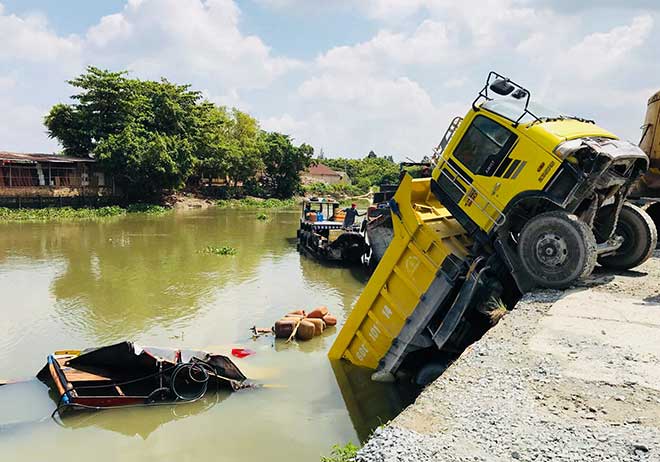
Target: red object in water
point(242, 352)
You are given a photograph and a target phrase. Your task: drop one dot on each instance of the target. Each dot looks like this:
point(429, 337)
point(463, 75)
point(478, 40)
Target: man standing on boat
point(351, 213)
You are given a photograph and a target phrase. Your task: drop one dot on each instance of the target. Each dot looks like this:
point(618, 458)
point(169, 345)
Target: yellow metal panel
point(423, 237)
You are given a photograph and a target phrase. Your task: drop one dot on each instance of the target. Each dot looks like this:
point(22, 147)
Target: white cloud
point(394, 92)
point(29, 39)
point(180, 38)
point(600, 52)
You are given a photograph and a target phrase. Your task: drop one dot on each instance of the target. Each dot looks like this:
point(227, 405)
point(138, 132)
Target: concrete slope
point(566, 376)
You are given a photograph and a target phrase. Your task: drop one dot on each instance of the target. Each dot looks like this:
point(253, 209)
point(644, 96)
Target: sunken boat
point(126, 374)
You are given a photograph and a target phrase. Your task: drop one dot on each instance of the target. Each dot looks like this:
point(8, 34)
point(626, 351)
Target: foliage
point(346, 453)
point(150, 209)
point(364, 173)
point(142, 132)
point(229, 145)
point(222, 250)
point(70, 213)
point(283, 163)
point(334, 190)
point(254, 203)
point(159, 136)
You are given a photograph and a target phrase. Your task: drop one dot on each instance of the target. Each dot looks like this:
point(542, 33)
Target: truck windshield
point(512, 109)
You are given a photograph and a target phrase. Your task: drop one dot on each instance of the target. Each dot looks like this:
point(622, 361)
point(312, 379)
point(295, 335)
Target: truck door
point(474, 168)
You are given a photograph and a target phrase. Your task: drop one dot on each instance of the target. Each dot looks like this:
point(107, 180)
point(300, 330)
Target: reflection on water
point(370, 404)
point(78, 285)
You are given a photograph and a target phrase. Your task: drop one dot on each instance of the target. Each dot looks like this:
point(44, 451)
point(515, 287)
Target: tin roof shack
point(49, 179)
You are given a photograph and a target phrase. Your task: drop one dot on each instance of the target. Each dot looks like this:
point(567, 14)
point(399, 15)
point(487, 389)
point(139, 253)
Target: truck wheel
point(654, 212)
point(639, 234)
point(556, 249)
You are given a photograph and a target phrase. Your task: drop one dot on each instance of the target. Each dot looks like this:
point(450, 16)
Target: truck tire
point(556, 249)
point(640, 237)
point(654, 212)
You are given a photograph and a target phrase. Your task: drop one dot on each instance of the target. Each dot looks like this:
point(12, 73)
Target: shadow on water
point(370, 404)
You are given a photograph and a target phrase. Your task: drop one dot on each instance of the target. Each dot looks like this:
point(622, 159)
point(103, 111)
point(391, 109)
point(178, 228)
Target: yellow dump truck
point(520, 197)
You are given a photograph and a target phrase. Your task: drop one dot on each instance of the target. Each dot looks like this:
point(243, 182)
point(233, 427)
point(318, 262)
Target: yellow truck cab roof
point(551, 130)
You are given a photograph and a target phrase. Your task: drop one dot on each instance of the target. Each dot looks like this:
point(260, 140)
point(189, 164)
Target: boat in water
point(126, 374)
point(323, 235)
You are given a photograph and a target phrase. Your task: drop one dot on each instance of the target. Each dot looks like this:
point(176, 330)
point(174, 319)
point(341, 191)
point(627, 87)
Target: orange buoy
point(305, 330)
point(318, 312)
point(319, 325)
point(330, 320)
point(298, 313)
point(284, 327)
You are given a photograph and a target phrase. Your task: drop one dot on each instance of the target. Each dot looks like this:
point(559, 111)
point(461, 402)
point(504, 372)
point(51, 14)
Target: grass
point(496, 310)
point(72, 214)
point(345, 453)
point(221, 250)
point(255, 203)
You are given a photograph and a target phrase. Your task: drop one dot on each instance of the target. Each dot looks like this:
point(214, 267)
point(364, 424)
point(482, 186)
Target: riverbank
point(566, 376)
point(69, 213)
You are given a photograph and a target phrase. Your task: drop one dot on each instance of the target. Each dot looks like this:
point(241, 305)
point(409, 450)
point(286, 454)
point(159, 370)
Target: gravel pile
point(502, 401)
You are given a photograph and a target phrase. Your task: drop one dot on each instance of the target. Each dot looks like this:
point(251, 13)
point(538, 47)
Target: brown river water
point(75, 285)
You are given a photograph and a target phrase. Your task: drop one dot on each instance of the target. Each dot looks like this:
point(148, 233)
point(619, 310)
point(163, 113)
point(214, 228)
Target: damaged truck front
point(520, 197)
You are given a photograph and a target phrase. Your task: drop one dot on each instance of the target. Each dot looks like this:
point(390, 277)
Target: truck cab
point(545, 190)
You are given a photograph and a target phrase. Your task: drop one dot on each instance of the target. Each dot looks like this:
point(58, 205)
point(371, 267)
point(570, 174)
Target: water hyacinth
point(253, 203)
point(221, 250)
point(72, 214)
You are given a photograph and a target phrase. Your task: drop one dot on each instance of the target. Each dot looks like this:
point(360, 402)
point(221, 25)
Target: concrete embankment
point(566, 376)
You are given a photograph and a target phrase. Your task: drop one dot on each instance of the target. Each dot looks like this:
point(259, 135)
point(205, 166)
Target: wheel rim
point(624, 230)
point(551, 250)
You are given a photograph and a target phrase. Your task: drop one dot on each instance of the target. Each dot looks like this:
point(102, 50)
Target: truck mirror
point(501, 87)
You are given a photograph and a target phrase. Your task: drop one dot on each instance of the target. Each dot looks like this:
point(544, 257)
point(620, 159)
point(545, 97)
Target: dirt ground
point(565, 376)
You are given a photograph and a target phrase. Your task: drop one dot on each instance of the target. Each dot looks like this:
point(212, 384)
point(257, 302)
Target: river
point(75, 285)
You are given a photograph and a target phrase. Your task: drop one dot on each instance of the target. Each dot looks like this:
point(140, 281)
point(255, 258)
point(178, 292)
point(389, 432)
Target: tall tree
point(142, 132)
point(283, 163)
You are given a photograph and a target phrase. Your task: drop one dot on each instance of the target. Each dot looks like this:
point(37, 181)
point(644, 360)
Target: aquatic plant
point(150, 209)
point(262, 216)
point(255, 203)
point(71, 214)
point(221, 250)
point(345, 453)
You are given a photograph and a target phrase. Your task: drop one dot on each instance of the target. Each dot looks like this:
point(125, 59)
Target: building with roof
point(27, 178)
point(321, 173)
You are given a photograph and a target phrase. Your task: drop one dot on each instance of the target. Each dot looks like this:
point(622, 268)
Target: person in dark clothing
point(351, 213)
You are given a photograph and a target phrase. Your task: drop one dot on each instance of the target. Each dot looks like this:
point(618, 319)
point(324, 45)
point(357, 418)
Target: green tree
point(153, 136)
point(142, 132)
point(283, 163)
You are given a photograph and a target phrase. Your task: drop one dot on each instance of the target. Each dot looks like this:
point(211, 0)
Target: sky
point(346, 76)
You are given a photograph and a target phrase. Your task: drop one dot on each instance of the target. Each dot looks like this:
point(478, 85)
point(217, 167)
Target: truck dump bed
point(422, 273)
